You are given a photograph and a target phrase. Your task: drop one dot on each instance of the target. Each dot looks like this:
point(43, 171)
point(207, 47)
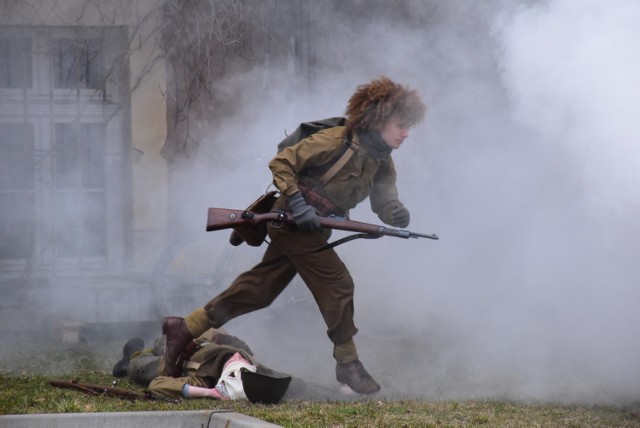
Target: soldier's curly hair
point(375, 102)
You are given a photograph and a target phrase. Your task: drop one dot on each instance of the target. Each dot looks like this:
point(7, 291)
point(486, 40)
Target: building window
point(17, 175)
point(63, 145)
point(77, 63)
point(80, 190)
point(15, 63)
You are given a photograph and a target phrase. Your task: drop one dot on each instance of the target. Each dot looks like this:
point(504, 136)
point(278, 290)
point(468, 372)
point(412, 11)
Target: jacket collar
point(374, 143)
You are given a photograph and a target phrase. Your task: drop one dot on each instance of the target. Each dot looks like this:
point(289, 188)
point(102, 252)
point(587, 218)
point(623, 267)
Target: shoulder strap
point(352, 147)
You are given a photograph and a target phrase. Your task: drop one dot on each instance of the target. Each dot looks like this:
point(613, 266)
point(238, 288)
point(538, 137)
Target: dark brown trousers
point(291, 252)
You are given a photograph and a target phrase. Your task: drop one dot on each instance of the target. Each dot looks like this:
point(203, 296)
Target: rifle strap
point(344, 240)
point(331, 244)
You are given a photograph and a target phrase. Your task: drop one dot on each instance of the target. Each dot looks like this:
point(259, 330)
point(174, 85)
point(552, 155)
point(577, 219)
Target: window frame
point(43, 106)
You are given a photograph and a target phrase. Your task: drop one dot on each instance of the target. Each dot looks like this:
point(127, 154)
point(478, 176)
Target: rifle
point(92, 389)
point(223, 218)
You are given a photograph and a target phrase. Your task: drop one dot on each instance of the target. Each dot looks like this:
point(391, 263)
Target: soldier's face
point(394, 131)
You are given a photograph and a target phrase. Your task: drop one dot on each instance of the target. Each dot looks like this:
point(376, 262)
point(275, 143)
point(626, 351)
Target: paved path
point(159, 419)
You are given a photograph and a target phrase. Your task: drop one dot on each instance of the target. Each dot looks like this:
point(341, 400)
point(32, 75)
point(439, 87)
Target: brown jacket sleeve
point(384, 196)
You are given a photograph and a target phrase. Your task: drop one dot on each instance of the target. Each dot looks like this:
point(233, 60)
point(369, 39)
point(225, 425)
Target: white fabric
point(230, 382)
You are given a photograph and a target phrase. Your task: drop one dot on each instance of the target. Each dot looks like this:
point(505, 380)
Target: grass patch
point(25, 372)
point(25, 394)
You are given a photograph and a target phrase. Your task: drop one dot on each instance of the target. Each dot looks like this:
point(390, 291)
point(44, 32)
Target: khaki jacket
point(363, 176)
point(203, 369)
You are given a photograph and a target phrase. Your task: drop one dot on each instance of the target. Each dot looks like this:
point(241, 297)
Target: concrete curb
point(160, 419)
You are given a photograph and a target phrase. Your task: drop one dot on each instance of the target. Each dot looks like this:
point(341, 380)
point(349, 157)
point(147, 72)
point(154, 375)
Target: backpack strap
point(352, 147)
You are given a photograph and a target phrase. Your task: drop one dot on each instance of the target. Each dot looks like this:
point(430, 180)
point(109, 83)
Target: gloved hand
point(400, 216)
point(304, 215)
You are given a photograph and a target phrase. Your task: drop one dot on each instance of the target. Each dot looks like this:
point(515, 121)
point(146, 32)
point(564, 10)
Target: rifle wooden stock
point(224, 218)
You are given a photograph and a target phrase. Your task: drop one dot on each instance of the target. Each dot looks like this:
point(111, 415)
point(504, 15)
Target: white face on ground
point(394, 131)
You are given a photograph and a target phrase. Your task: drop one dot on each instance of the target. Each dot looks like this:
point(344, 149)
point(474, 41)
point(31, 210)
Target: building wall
point(132, 106)
point(143, 146)
point(142, 113)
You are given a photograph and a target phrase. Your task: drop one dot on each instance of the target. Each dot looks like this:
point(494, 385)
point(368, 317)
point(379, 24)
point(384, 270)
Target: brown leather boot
point(356, 376)
point(178, 337)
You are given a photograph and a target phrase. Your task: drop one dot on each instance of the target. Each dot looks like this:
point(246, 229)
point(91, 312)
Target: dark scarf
point(373, 141)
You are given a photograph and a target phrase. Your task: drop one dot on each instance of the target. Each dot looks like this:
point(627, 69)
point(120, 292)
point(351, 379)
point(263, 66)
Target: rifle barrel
point(420, 235)
point(400, 233)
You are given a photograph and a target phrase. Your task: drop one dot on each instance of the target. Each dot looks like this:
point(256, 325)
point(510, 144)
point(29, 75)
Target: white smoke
point(557, 306)
point(526, 168)
point(572, 69)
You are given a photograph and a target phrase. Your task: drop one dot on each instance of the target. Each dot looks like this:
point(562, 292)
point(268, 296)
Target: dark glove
point(400, 216)
point(304, 215)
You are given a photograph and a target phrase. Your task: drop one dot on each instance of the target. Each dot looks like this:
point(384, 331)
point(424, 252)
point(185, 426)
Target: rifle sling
point(344, 240)
point(332, 244)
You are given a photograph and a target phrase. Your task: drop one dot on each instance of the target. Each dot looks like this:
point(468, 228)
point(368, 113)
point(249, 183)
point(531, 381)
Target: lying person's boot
point(132, 346)
point(356, 377)
point(178, 337)
point(144, 368)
